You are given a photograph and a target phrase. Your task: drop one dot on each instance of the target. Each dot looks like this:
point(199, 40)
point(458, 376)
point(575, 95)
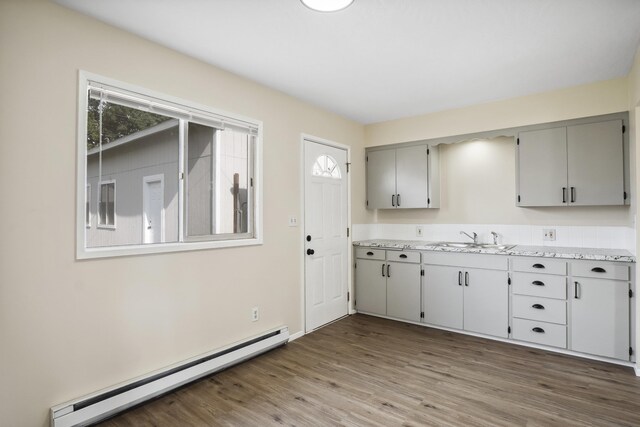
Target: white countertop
point(595, 254)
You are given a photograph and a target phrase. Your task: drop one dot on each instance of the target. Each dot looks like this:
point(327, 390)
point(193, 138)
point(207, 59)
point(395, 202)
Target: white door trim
point(145, 180)
point(303, 310)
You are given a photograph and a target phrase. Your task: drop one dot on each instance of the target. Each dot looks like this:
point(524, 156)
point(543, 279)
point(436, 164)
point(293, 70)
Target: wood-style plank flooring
point(366, 371)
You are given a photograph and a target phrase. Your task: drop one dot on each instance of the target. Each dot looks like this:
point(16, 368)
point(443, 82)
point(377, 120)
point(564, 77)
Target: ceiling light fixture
point(327, 5)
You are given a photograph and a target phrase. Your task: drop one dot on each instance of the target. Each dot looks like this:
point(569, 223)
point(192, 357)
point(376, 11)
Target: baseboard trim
point(295, 336)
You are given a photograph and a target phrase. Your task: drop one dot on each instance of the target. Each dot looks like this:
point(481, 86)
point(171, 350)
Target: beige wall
point(478, 177)
point(68, 327)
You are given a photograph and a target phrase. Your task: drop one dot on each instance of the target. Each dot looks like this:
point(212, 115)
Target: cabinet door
point(596, 165)
point(411, 177)
point(381, 179)
point(542, 167)
point(600, 317)
point(371, 286)
point(486, 302)
point(403, 291)
point(442, 296)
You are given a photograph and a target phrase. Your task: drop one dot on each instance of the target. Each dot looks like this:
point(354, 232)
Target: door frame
point(146, 180)
point(303, 286)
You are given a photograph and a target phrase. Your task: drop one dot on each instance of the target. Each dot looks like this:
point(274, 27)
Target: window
point(209, 194)
point(326, 166)
point(107, 205)
point(87, 206)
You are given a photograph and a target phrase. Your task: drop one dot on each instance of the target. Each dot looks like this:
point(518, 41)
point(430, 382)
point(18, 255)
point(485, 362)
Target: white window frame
point(83, 252)
point(98, 224)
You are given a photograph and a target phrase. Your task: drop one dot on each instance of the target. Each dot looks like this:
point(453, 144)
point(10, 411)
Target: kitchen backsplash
point(566, 236)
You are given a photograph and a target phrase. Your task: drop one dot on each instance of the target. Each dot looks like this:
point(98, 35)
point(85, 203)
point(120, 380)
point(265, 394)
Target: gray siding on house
point(127, 165)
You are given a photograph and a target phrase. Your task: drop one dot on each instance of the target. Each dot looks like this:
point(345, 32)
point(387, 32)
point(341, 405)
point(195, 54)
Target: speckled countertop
point(594, 254)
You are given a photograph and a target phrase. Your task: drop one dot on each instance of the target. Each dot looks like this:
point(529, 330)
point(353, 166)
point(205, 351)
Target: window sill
point(157, 248)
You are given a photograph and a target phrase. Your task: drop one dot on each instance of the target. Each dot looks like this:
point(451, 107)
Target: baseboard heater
point(105, 403)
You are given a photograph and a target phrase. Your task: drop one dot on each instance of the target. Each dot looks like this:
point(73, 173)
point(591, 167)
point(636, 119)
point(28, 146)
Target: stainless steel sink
point(472, 245)
point(457, 245)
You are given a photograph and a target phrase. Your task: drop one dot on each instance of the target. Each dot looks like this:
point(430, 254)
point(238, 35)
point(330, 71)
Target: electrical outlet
point(255, 314)
point(293, 221)
point(419, 231)
point(549, 234)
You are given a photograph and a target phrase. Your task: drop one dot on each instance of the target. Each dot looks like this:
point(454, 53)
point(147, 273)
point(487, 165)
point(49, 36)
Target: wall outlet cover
point(549, 234)
point(255, 314)
point(419, 231)
point(293, 221)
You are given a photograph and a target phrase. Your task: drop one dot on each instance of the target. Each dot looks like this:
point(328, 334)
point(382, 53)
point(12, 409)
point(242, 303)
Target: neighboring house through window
point(107, 204)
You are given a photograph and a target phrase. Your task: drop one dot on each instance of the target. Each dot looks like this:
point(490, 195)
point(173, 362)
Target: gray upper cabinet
point(381, 179)
point(575, 165)
point(595, 153)
point(406, 177)
point(542, 167)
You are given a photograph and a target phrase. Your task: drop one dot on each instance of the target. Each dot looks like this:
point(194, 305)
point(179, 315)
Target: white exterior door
point(326, 242)
point(153, 209)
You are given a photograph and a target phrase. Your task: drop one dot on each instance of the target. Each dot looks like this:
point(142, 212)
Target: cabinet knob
point(308, 237)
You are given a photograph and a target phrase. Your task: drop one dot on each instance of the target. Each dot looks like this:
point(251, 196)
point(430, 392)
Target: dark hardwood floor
point(366, 371)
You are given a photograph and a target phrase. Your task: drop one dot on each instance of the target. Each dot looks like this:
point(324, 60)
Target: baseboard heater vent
point(103, 404)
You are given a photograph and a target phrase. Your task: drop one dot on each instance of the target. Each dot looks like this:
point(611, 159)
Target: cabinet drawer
point(541, 309)
point(539, 265)
point(369, 253)
point(600, 270)
point(401, 256)
point(540, 285)
point(540, 332)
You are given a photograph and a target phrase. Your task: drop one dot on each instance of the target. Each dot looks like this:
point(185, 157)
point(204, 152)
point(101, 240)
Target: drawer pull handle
point(538, 266)
point(403, 255)
point(459, 278)
point(538, 330)
point(466, 278)
point(393, 200)
point(538, 306)
point(388, 270)
point(382, 270)
point(575, 290)
point(370, 253)
point(598, 270)
point(537, 283)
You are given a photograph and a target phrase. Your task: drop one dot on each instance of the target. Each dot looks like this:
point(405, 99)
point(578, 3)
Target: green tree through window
point(117, 121)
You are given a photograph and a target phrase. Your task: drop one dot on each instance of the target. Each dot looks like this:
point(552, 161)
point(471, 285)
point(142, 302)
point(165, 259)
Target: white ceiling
point(384, 59)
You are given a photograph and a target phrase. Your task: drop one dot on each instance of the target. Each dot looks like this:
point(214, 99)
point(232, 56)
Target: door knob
point(308, 237)
point(310, 252)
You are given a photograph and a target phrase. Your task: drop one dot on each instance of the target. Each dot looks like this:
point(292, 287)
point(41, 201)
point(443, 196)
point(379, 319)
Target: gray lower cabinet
point(575, 165)
point(388, 283)
point(403, 291)
point(472, 299)
point(600, 315)
point(580, 305)
point(443, 296)
point(371, 286)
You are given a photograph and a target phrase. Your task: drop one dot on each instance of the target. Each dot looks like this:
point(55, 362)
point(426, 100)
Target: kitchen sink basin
point(471, 245)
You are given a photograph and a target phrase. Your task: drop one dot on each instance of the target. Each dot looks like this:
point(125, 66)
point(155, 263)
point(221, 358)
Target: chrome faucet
point(495, 237)
point(474, 237)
